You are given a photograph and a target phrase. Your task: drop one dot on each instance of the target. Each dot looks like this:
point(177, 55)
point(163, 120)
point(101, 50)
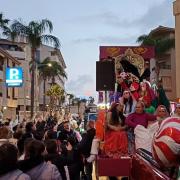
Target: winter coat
point(15, 175)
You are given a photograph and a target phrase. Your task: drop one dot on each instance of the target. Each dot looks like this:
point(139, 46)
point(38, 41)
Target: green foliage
point(8, 32)
point(34, 32)
point(57, 70)
point(160, 44)
point(84, 100)
point(3, 22)
point(55, 91)
point(56, 94)
point(47, 72)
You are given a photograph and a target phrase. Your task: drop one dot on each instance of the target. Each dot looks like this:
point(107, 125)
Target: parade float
point(134, 65)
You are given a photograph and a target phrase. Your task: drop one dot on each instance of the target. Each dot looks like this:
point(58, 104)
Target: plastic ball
point(166, 143)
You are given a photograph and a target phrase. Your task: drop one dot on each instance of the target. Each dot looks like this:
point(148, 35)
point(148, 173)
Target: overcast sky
point(83, 25)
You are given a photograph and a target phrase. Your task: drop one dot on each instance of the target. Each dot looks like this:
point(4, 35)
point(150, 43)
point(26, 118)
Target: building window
point(53, 53)
point(164, 66)
point(165, 62)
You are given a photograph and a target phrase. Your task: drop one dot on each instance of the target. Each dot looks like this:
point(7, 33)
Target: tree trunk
point(33, 50)
point(53, 80)
point(78, 106)
point(44, 95)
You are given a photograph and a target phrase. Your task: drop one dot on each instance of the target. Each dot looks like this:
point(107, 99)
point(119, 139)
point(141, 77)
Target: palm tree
point(8, 32)
point(160, 44)
point(34, 33)
point(56, 71)
point(3, 22)
point(49, 69)
point(55, 93)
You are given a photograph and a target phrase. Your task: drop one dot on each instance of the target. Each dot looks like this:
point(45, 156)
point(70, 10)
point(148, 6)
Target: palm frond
point(46, 60)
point(146, 40)
point(141, 38)
point(9, 33)
point(3, 21)
point(34, 27)
point(164, 45)
point(50, 39)
point(45, 24)
point(19, 28)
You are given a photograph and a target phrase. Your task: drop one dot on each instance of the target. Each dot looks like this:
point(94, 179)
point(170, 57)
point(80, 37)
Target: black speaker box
point(105, 76)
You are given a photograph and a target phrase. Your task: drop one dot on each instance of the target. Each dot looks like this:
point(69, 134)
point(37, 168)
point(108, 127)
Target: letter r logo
point(14, 74)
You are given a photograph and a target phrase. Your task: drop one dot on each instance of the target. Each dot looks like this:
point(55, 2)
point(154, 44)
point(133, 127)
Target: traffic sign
point(14, 77)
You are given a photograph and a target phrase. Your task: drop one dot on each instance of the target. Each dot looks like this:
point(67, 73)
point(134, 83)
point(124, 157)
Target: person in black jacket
point(85, 147)
point(66, 132)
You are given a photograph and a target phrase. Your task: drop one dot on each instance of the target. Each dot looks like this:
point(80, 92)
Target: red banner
point(106, 52)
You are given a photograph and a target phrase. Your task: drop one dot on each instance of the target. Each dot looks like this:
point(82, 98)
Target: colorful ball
point(166, 143)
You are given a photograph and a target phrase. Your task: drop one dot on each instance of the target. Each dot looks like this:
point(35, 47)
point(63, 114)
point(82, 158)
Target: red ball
point(166, 143)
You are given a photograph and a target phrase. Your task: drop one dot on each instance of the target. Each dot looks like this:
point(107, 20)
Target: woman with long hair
point(129, 103)
point(115, 136)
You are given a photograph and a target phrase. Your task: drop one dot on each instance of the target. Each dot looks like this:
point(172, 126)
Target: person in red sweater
point(139, 117)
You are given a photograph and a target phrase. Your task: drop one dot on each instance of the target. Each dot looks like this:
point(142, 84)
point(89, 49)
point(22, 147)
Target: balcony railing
point(165, 66)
